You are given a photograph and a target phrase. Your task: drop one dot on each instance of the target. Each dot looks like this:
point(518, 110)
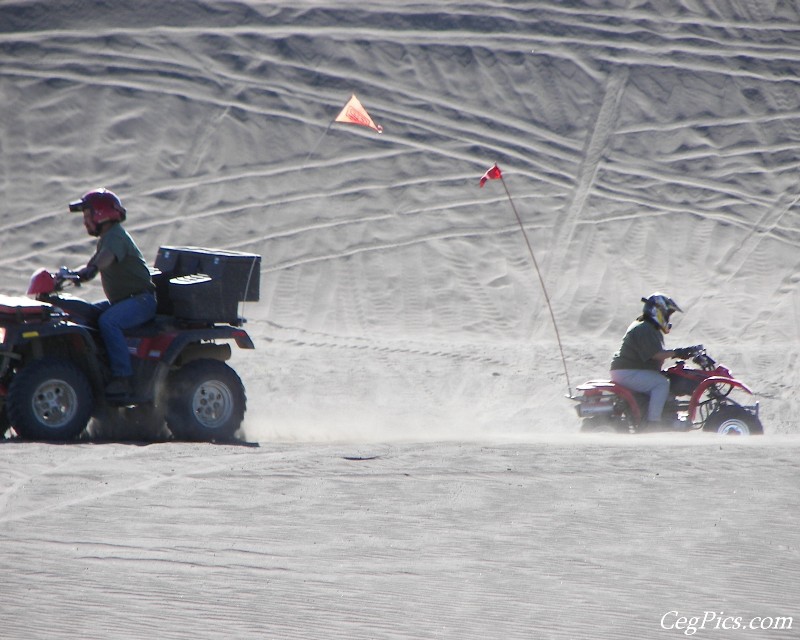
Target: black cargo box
point(201, 298)
point(205, 285)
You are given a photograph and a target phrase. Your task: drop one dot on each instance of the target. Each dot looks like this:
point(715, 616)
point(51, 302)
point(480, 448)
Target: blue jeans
point(653, 383)
point(114, 318)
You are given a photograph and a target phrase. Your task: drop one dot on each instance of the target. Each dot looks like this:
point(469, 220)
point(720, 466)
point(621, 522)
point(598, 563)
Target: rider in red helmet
point(637, 364)
point(126, 282)
point(99, 206)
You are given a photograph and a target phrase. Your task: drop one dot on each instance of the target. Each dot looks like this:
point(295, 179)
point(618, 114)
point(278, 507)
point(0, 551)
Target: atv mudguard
point(32, 339)
point(168, 346)
point(161, 350)
point(593, 387)
point(694, 402)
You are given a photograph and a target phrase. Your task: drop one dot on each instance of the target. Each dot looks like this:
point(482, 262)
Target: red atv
point(53, 365)
point(704, 396)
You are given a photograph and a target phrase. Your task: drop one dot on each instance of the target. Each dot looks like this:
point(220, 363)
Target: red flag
point(355, 113)
point(492, 174)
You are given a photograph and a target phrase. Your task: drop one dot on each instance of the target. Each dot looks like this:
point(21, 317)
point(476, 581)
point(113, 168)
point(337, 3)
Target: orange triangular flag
point(355, 113)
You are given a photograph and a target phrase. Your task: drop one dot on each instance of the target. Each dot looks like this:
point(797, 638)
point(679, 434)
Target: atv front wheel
point(49, 399)
point(733, 421)
point(206, 402)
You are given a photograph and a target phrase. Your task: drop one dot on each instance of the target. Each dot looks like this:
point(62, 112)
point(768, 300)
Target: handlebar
point(704, 360)
point(65, 274)
point(684, 353)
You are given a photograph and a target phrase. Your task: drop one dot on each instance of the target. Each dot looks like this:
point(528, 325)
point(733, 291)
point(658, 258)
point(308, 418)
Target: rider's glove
point(87, 273)
point(684, 353)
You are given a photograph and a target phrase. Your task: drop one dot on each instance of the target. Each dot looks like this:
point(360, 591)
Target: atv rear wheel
point(733, 421)
point(603, 424)
point(49, 399)
point(206, 402)
point(4, 424)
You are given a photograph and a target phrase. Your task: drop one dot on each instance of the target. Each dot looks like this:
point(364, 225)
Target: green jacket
point(128, 275)
point(641, 342)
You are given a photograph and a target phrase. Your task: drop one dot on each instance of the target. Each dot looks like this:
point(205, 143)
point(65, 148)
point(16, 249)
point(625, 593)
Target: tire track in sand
point(143, 485)
point(596, 144)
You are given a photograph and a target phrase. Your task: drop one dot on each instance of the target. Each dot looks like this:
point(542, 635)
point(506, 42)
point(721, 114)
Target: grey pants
point(653, 383)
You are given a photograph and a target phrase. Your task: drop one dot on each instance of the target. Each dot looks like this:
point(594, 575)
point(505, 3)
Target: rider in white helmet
point(637, 364)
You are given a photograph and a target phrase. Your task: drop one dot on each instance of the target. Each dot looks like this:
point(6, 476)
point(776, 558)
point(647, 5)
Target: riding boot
point(119, 387)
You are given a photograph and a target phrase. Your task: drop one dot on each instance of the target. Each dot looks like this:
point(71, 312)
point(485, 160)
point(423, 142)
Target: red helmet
point(103, 204)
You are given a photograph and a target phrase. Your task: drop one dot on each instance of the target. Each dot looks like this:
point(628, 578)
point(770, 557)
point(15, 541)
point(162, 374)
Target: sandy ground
point(418, 472)
point(551, 538)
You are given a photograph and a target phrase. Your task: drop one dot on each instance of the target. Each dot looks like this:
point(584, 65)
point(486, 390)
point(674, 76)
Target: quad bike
point(54, 368)
point(704, 395)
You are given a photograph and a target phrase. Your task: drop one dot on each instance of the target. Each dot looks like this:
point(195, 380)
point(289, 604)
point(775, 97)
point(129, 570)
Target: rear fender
point(177, 348)
point(205, 339)
point(597, 387)
point(243, 340)
point(198, 351)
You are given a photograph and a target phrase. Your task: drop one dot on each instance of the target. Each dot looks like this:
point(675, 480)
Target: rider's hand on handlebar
point(684, 353)
point(64, 273)
point(87, 273)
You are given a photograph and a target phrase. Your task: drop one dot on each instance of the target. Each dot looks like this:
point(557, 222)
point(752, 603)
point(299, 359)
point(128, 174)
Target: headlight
point(2, 335)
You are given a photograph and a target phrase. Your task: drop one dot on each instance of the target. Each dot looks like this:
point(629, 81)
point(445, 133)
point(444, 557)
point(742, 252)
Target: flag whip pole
point(310, 153)
point(538, 272)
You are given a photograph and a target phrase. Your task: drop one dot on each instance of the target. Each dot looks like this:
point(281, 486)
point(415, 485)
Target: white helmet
point(658, 308)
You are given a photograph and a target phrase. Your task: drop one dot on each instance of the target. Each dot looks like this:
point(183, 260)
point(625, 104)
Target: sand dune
point(647, 146)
